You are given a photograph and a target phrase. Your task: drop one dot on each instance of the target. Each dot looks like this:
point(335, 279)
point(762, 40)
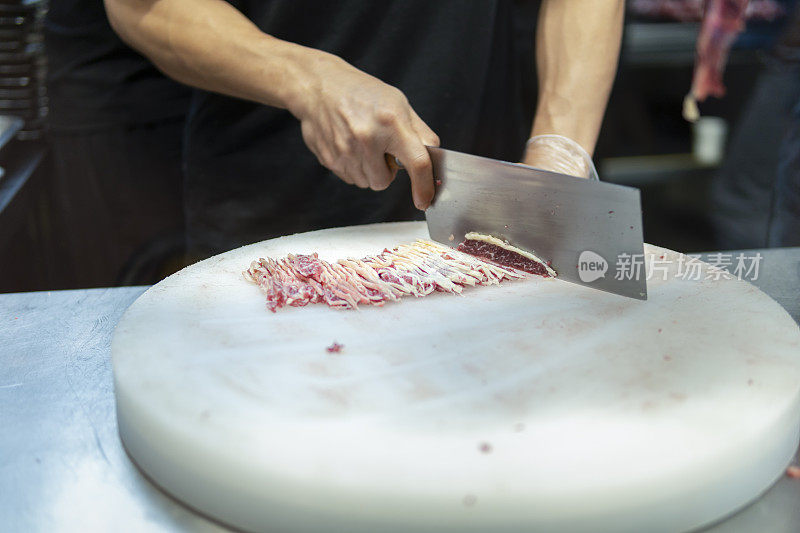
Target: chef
point(304, 106)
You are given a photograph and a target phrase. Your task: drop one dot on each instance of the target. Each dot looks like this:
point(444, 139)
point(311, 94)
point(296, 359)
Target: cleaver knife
point(589, 231)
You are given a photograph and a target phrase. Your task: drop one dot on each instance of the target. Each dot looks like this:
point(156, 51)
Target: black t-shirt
point(249, 176)
point(94, 80)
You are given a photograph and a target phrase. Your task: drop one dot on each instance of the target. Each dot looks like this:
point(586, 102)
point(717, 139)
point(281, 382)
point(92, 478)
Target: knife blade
point(591, 232)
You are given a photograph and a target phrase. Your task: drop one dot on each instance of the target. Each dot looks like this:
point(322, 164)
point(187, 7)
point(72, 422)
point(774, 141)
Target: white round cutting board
point(537, 405)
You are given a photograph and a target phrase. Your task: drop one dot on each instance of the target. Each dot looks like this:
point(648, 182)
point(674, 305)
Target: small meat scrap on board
point(335, 347)
point(793, 472)
point(497, 251)
point(415, 269)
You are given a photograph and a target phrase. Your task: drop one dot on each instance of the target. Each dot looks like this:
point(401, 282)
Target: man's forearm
point(349, 119)
point(577, 48)
point(210, 45)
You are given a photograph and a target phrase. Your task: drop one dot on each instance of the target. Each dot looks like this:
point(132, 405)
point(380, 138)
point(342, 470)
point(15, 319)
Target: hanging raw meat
point(723, 20)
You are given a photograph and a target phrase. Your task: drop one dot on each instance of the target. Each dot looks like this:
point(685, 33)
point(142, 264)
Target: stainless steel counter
point(63, 468)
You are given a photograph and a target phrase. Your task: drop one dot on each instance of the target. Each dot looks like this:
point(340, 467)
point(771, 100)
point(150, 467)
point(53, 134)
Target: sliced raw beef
point(502, 253)
point(416, 269)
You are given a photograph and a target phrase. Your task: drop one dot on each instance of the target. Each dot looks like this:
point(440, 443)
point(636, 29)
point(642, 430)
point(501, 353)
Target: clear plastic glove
point(559, 154)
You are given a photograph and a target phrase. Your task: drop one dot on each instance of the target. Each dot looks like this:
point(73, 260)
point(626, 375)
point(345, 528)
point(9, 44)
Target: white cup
point(709, 137)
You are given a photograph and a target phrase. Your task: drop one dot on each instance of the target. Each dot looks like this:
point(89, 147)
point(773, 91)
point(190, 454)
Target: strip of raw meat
point(439, 266)
point(328, 283)
point(498, 251)
point(371, 280)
